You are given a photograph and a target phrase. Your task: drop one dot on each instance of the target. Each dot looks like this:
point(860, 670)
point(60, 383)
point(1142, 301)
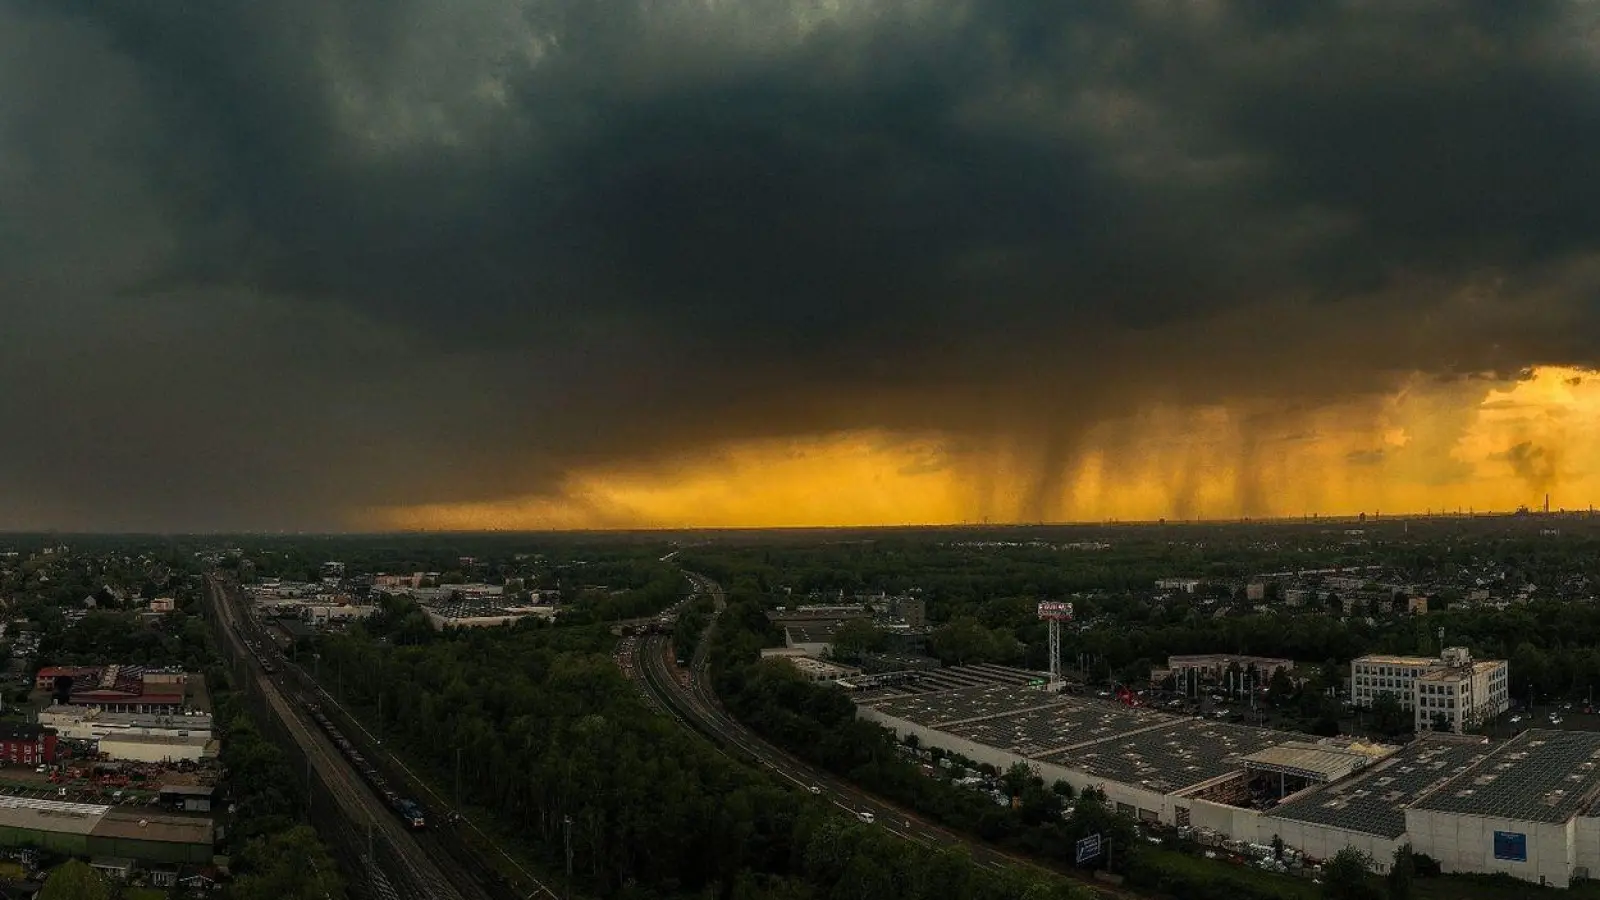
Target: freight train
point(404, 807)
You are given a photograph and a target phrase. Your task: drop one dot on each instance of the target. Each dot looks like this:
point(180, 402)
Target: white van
point(866, 817)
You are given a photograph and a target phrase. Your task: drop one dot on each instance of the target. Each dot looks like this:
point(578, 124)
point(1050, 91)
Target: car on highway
point(866, 817)
point(815, 790)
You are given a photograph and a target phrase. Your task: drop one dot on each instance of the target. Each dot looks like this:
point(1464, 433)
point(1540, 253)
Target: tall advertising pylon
point(1055, 613)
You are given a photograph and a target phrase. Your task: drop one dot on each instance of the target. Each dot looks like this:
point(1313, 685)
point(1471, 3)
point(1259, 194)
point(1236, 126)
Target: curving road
point(689, 697)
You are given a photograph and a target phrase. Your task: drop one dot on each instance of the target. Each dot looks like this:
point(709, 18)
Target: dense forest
point(546, 727)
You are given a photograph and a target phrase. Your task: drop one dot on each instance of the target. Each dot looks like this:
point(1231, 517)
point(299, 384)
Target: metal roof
point(1374, 800)
point(1538, 776)
point(1307, 761)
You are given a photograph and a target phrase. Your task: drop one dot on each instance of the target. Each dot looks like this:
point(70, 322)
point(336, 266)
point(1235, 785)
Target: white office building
point(1463, 691)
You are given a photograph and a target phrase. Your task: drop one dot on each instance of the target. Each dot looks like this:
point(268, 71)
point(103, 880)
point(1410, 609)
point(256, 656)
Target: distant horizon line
point(1303, 519)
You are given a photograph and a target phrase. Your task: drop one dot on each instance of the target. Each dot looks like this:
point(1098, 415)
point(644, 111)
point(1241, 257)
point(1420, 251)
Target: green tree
point(962, 641)
point(1440, 721)
point(1348, 876)
point(288, 865)
point(855, 637)
point(1388, 716)
point(75, 880)
point(1401, 873)
point(1280, 687)
point(1017, 778)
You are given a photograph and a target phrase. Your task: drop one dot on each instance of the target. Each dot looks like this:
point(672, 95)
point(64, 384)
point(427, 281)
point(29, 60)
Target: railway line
point(396, 862)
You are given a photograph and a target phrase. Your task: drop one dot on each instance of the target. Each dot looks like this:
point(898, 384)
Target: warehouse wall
point(1586, 844)
point(1324, 842)
point(150, 851)
point(59, 841)
point(142, 752)
point(1232, 821)
point(930, 737)
point(1466, 844)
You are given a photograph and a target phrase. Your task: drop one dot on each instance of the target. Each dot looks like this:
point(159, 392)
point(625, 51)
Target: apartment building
point(1464, 691)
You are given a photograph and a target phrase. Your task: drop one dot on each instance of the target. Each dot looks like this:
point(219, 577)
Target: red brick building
point(27, 745)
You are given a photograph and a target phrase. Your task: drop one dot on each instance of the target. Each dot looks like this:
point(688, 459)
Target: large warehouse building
point(91, 830)
point(1524, 807)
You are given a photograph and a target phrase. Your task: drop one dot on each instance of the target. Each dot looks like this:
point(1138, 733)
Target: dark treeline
point(983, 603)
point(545, 727)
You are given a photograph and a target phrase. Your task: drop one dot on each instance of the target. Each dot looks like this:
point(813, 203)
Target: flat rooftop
point(1538, 776)
point(137, 826)
point(1176, 756)
point(1374, 801)
point(936, 710)
point(1067, 722)
point(1384, 659)
point(1456, 673)
point(50, 815)
point(815, 633)
point(874, 689)
point(820, 667)
point(165, 740)
point(1139, 746)
point(1305, 760)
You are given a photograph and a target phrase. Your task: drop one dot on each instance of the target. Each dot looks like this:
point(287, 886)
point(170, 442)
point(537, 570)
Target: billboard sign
point(1511, 845)
point(1053, 610)
point(1088, 848)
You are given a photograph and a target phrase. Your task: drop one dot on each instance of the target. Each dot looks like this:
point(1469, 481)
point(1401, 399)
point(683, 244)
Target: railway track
point(397, 865)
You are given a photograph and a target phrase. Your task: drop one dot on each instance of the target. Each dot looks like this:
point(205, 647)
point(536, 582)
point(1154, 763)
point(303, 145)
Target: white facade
point(85, 724)
point(1464, 691)
point(1464, 843)
point(1466, 696)
point(147, 748)
point(318, 615)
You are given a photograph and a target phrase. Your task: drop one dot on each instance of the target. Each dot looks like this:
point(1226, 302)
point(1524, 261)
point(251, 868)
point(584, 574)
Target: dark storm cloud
point(280, 261)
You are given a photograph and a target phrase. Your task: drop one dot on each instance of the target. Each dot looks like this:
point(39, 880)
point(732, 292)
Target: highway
point(689, 697)
point(423, 865)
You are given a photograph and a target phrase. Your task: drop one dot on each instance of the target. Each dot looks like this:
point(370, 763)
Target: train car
point(407, 809)
point(410, 813)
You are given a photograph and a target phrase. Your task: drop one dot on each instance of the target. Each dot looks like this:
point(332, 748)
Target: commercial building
point(158, 748)
point(323, 614)
point(25, 744)
point(86, 724)
point(819, 671)
point(784, 615)
point(477, 614)
point(1463, 691)
point(1215, 664)
point(1524, 807)
point(116, 688)
point(91, 830)
point(1183, 585)
point(815, 639)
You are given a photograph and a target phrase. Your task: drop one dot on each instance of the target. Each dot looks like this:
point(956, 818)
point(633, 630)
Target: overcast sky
point(266, 264)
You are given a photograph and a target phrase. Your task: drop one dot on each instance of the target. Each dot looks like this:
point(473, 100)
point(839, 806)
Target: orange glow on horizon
point(1433, 445)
